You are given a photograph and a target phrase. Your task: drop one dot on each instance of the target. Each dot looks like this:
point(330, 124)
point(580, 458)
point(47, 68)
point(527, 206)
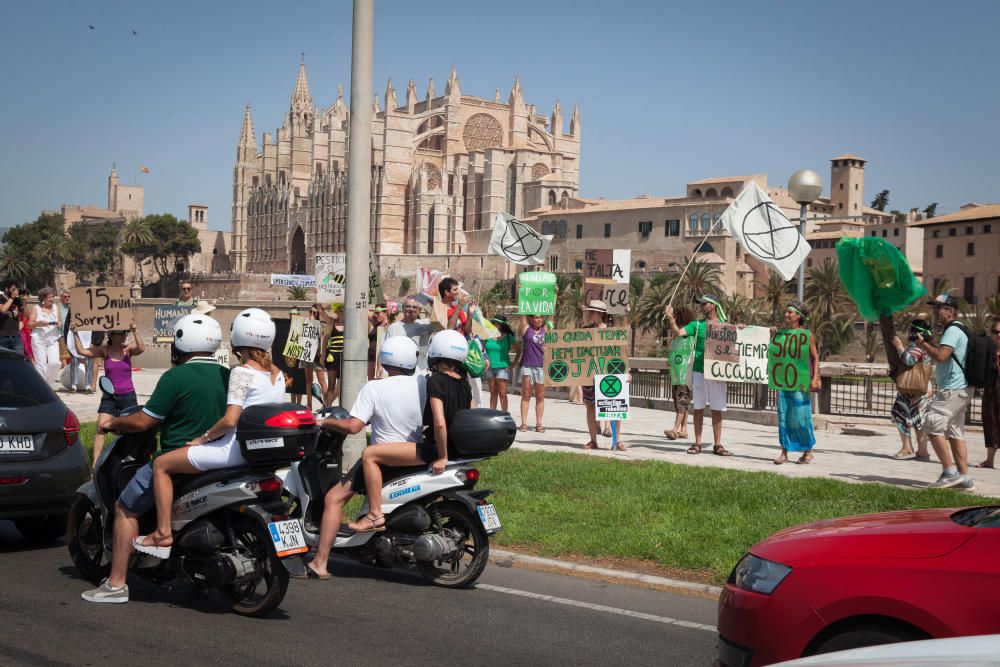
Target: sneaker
point(946, 481)
point(105, 593)
point(966, 484)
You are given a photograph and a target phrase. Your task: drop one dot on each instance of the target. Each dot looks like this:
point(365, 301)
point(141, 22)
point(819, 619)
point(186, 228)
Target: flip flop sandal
point(904, 456)
point(153, 549)
point(523, 429)
point(805, 458)
point(925, 458)
point(781, 459)
point(694, 449)
point(539, 429)
point(606, 433)
point(983, 465)
point(373, 527)
point(310, 574)
point(719, 450)
point(671, 435)
point(591, 445)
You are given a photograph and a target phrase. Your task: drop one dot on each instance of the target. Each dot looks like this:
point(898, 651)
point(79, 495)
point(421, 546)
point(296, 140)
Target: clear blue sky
point(668, 92)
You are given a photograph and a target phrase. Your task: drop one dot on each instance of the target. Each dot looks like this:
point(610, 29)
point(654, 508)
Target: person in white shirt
point(394, 407)
point(419, 331)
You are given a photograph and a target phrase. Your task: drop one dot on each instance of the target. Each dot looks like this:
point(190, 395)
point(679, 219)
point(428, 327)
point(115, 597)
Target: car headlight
point(758, 575)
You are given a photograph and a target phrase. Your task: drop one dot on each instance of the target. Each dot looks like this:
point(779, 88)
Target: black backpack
point(980, 367)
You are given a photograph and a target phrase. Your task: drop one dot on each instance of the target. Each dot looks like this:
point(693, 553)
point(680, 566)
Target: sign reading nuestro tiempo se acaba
point(733, 354)
point(574, 356)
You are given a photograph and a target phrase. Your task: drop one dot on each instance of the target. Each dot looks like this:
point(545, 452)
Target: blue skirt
point(795, 422)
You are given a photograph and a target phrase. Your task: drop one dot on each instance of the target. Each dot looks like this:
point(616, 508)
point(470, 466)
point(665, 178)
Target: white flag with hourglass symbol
point(764, 231)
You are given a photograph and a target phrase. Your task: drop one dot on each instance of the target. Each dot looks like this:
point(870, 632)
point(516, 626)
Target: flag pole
point(691, 259)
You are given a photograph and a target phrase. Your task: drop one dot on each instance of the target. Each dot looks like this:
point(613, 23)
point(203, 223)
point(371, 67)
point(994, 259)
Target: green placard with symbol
point(611, 398)
point(681, 354)
point(536, 293)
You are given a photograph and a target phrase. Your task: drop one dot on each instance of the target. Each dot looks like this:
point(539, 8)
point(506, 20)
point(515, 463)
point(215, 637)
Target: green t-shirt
point(188, 400)
point(498, 350)
point(697, 329)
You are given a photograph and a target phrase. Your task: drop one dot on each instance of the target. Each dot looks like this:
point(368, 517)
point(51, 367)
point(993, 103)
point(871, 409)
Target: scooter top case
point(481, 432)
point(276, 433)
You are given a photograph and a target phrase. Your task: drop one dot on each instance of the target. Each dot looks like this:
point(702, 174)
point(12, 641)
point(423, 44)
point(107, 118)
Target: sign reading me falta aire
point(574, 356)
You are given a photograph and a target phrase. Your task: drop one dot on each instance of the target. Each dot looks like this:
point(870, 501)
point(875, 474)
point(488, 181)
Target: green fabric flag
point(536, 293)
point(681, 354)
point(876, 276)
point(788, 360)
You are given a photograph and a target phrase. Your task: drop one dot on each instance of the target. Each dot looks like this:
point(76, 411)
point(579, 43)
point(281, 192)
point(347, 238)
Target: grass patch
point(678, 516)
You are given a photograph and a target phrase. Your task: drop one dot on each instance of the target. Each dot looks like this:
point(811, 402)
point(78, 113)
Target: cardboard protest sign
point(615, 295)
point(375, 294)
point(736, 355)
point(295, 377)
point(681, 355)
point(164, 319)
point(788, 360)
point(611, 399)
point(574, 356)
point(101, 308)
point(536, 293)
point(222, 356)
point(303, 338)
point(330, 276)
point(613, 265)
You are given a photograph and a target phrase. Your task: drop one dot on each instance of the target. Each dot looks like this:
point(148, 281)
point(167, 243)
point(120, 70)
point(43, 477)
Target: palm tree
point(872, 342)
point(741, 309)
point(53, 253)
point(570, 300)
point(298, 293)
point(978, 319)
point(833, 335)
point(775, 290)
point(134, 234)
point(700, 278)
point(881, 200)
point(825, 294)
point(647, 313)
point(993, 305)
point(12, 266)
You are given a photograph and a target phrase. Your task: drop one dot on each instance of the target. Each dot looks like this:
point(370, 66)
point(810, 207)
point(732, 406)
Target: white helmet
point(399, 352)
point(448, 344)
point(197, 333)
point(253, 327)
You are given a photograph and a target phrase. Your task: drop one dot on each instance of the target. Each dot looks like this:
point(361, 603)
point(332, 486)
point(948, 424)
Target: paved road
point(364, 615)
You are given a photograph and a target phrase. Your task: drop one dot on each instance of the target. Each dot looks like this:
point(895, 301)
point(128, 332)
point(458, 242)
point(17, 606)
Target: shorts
point(138, 497)
point(222, 453)
point(946, 413)
point(355, 477)
point(682, 398)
point(498, 374)
point(116, 403)
point(708, 392)
point(333, 361)
point(536, 373)
point(588, 394)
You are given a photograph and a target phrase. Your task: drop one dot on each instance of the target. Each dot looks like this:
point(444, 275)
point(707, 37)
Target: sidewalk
point(862, 454)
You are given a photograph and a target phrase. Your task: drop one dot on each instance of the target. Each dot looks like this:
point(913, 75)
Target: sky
point(668, 92)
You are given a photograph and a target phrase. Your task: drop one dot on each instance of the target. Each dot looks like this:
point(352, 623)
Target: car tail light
point(292, 419)
point(71, 428)
point(269, 485)
point(12, 481)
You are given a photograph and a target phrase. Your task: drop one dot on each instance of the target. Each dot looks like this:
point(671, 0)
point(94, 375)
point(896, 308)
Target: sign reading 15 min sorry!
point(788, 360)
point(574, 356)
point(101, 308)
point(536, 293)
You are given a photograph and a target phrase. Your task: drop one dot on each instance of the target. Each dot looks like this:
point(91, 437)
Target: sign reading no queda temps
point(574, 356)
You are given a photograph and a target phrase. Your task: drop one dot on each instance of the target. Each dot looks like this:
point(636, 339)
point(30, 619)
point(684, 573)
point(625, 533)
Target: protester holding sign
point(378, 322)
point(593, 315)
point(795, 423)
point(498, 351)
point(531, 356)
point(46, 331)
point(704, 392)
point(680, 372)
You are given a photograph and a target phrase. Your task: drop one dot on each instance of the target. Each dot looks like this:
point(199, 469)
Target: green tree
point(775, 290)
point(741, 309)
point(93, 251)
point(42, 245)
point(700, 278)
point(569, 301)
point(636, 288)
point(931, 210)
point(12, 266)
point(881, 200)
point(832, 310)
point(993, 305)
point(172, 241)
point(298, 293)
point(135, 234)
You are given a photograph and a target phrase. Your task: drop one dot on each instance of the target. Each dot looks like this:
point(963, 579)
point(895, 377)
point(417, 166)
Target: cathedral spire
point(452, 88)
point(574, 122)
point(390, 97)
point(556, 126)
point(496, 96)
point(411, 96)
point(430, 89)
point(301, 98)
point(516, 97)
point(375, 107)
point(247, 137)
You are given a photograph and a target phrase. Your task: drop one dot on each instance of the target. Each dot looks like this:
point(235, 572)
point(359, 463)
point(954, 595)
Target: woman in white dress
point(46, 330)
point(257, 381)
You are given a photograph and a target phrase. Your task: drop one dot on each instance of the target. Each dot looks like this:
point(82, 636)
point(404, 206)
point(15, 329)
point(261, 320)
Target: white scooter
point(439, 524)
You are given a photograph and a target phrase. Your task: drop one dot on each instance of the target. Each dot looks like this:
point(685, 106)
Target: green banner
point(536, 293)
point(681, 354)
point(788, 360)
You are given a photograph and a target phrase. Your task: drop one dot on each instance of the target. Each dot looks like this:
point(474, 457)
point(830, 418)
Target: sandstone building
point(963, 248)
point(442, 167)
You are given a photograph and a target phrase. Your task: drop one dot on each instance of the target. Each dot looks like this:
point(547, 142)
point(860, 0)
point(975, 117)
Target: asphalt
point(847, 451)
point(361, 616)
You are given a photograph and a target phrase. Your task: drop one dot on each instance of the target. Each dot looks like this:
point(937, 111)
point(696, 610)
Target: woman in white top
point(256, 381)
point(46, 330)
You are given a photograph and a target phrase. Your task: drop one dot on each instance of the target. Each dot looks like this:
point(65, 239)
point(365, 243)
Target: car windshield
point(21, 386)
point(978, 517)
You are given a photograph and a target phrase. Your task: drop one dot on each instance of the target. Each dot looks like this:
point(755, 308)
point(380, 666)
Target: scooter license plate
point(287, 537)
point(488, 515)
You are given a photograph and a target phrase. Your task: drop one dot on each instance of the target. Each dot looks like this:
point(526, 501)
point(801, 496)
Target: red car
point(861, 581)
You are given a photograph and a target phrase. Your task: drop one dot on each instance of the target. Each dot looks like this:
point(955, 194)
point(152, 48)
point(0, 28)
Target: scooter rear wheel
point(85, 530)
point(266, 590)
point(474, 552)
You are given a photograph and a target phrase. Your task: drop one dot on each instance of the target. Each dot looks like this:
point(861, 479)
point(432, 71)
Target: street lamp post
point(804, 186)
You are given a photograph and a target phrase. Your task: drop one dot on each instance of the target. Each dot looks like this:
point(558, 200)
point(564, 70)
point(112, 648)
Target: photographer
point(10, 317)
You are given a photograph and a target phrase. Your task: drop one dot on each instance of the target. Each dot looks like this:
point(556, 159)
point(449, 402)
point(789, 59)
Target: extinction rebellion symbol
point(615, 367)
point(611, 386)
point(520, 241)
point(558, 370)
point(770, 244)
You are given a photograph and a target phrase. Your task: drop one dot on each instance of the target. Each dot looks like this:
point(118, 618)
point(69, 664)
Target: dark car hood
point(911, 534)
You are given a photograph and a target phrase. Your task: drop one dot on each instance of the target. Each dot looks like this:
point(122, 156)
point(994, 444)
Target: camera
point(913, 336)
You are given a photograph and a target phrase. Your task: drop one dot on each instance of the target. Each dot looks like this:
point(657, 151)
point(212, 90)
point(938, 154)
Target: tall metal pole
point(800, 291)
point(359, 170)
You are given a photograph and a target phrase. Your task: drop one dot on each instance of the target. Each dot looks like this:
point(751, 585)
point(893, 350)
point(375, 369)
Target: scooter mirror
point(317, 391)
point(106, 385)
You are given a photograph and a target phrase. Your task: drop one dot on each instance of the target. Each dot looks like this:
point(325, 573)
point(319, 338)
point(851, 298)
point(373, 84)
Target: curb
point(511, 558)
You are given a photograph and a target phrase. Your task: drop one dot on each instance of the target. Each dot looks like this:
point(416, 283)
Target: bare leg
point(332, 386)
point(591, 424)
point(494, 392)
point(906, 448)
point(539, 403)
point(163, 488)
point(961, 454)
point(991, 453)
point(309, 384)
point(333, 511)
point(391, 454)
point(126, 529)
point(525, 399)
point(922, 444)
point(699, 418)
point(502, 392)
point(102, 420)
point(717, 426)
point(940, 445)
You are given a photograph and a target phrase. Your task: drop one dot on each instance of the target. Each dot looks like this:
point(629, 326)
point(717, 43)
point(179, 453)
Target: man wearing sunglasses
point(417, 330)
point(187, 297)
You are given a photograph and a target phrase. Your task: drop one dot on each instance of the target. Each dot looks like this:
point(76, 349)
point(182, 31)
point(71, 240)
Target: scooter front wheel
point(85, 532)
point(263, 592)
point(467, 564)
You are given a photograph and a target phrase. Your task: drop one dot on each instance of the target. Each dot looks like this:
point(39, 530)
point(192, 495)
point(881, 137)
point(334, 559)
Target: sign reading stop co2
point(788, 360)
point(611, 396)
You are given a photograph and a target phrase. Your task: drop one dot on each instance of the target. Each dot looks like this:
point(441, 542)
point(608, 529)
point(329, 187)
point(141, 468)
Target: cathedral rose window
point(482, 131)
